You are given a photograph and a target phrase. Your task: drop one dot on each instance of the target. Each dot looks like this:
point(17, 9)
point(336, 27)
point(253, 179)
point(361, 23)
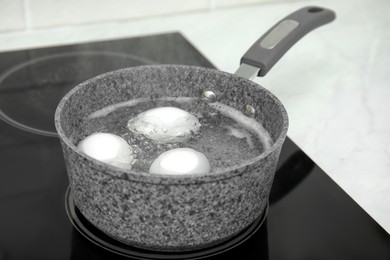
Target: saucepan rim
point(137, 175)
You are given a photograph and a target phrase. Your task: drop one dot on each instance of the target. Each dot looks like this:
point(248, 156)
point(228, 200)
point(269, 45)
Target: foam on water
point(240, 133)
point(247, 122)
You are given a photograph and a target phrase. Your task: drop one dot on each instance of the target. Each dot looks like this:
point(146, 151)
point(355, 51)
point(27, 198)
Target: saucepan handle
point(267, 50)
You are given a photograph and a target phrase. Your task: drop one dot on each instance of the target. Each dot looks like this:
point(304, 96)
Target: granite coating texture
point(169, 212)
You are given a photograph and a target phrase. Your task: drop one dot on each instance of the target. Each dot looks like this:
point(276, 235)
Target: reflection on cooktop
point(224, 249)
point(31, 91)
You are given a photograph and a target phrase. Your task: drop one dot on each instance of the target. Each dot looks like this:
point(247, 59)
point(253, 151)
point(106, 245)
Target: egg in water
point(165, 124)
point(180, 161)
point(108, 148)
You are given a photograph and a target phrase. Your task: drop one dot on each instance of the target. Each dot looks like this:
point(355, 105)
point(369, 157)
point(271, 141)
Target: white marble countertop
point(334, 82)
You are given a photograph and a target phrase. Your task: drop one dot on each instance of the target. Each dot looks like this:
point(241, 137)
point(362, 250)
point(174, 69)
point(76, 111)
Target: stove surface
point(309, 216)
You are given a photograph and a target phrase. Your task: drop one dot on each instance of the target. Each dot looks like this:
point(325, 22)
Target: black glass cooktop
point(309, 216)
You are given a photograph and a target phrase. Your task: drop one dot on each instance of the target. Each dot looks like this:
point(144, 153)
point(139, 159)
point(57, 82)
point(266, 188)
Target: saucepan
point(179, 212)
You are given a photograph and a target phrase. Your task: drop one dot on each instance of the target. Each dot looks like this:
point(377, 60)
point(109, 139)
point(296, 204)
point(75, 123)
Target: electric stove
point(309, 216)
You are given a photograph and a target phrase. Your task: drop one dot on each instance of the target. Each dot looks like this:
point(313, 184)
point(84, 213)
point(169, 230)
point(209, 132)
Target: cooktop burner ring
point(87, 230)
point(43, 80)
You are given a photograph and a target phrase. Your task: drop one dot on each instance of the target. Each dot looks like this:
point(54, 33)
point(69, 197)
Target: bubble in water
point(165, 124)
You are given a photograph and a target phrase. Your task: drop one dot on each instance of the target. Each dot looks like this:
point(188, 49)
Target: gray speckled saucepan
point(170, 212)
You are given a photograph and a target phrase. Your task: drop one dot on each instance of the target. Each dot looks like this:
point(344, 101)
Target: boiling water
point(226, 136)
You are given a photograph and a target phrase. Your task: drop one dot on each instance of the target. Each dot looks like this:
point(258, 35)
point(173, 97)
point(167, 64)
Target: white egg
point(108, 148)
point(180, 161)
point(165, 124)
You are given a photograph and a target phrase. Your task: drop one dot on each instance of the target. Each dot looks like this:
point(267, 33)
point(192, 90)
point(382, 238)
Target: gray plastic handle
point(266, 51)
